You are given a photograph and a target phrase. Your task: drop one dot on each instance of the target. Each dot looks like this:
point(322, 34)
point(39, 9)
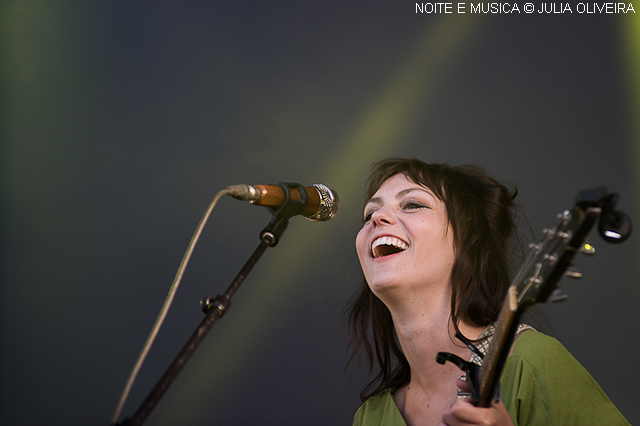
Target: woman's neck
point(424, 328)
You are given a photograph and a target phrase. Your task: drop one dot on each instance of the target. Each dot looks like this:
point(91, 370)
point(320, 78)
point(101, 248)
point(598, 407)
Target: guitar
point(538, 282)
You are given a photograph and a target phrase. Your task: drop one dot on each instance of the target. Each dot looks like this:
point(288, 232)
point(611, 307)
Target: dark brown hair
point(482, 215)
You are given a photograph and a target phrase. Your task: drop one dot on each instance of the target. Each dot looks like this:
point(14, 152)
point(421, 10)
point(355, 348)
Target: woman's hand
point(463, 413)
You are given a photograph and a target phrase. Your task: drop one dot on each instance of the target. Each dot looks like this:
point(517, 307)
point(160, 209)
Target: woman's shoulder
point(379, 409)
point(542, 352)
point(532, 343)
point(542, 379)
point(545, 358)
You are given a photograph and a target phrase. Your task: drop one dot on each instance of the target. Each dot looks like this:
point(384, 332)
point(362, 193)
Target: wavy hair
point(482, 215)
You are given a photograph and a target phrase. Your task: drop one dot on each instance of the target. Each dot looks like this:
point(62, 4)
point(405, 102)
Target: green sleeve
point(380, 409)
point(543, 384)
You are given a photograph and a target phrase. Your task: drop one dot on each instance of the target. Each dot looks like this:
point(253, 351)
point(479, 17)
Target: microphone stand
point(216, 307)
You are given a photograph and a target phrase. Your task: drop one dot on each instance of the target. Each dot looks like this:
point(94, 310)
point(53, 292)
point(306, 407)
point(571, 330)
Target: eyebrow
point(401, 194)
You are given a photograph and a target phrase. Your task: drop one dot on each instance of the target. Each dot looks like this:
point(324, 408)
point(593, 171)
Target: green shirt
point(542, 384)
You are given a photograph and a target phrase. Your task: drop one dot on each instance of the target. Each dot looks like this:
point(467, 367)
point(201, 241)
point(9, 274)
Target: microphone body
point(322, 201)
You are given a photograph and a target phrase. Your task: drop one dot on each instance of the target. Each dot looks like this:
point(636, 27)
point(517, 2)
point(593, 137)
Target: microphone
point(322, 201)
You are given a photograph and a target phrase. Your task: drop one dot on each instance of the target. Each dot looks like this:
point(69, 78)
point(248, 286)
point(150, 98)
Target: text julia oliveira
point(527, 8)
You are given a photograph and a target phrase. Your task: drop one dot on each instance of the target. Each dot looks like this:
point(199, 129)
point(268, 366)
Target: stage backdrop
point(121, 120)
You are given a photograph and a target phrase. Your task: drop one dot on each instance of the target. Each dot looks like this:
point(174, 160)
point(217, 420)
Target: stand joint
point(220, 302)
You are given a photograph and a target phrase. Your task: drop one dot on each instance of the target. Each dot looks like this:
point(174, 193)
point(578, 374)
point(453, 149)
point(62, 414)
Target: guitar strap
point(485, 339)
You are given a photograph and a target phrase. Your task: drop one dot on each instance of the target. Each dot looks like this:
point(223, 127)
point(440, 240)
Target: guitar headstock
point(553, 257)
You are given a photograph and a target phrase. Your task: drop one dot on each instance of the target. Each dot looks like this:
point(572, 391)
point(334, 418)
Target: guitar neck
point(505, 328)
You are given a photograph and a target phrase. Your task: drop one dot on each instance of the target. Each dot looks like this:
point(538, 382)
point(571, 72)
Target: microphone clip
point(272, 233)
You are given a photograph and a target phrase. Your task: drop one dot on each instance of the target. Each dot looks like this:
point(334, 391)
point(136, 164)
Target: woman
point(436, 250)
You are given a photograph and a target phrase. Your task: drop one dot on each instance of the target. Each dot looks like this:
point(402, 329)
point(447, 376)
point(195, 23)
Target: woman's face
point(405, 242)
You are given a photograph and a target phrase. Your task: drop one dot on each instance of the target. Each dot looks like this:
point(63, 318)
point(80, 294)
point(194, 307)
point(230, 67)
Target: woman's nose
point(383, 217)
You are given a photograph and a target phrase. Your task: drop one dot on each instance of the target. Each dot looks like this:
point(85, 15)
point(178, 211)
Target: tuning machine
point(587, 248)
point(573, 272)
point(614, 225)
point(565, 217)
point(558, 295)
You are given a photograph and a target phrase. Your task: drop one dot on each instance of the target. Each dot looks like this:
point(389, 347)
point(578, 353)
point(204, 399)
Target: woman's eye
point(414, 205)
point(367, 217)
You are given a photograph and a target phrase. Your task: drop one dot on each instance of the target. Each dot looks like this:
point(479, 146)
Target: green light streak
point(630, 28)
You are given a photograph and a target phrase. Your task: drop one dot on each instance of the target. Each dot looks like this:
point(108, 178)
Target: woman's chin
point(382, 288)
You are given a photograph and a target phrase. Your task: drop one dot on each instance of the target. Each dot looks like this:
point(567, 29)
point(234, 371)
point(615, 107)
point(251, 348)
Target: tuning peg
point(573, 272)
point(614, 225)
point(587, 248)
point(565, 216)
point(558, 295)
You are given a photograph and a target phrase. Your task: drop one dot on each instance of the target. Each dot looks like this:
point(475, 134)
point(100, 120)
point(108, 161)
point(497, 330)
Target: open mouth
point(385, 246)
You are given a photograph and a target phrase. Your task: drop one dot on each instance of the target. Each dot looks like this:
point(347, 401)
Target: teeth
point(390, 241)
point(387, 241)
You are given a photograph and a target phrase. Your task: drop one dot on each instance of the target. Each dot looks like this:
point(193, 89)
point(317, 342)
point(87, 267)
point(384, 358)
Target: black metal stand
point(215, 307)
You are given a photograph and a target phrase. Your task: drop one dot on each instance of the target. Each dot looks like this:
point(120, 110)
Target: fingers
point(463, 413)
point(463, 385)
point(464, 390)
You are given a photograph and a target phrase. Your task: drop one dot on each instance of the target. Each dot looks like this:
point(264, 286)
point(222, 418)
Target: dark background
point(121, 120)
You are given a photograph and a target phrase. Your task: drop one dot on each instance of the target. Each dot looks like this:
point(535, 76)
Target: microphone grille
point(329, 204)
